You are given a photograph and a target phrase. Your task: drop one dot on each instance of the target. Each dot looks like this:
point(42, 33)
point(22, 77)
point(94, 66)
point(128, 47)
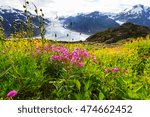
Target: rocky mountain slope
point(127, 30)
point(77, 27)
point(10, 15)
point(89, 23)
point(138, 14)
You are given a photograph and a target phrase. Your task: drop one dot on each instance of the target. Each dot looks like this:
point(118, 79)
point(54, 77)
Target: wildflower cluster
point(76, 57)
point(63, 55)
point(115, 70)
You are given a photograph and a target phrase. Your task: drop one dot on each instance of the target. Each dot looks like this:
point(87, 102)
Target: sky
point(69, 7)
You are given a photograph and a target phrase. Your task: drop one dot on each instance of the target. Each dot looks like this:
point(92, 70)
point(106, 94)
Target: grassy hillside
point(123, 32)
point(39, 69)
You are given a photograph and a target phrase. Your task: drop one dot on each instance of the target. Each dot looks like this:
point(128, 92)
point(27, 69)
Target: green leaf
point(78, 84)
point(87, 85)
point(132, 94)
point(101, 96)
point(3, 73)
point(78, 96)
point(138, 89)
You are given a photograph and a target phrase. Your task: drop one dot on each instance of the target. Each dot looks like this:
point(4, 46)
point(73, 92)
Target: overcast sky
point(64, 7)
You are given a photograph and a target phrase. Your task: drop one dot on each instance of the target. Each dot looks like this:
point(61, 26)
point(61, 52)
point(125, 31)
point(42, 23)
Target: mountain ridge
point(10, 15)
point(81, 23)
point(113, 35)
point(89, 23)
point(137, 14)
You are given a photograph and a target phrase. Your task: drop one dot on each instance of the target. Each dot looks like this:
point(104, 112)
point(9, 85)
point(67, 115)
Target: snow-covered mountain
point(138, 14)
point(89, 23)
point(54, 28)
point(79, 26)
point(10, 15)
point(57, 31)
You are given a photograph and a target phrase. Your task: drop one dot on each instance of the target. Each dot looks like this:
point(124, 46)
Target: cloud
point(64, 7)
point(13, 3)
point(91, 0)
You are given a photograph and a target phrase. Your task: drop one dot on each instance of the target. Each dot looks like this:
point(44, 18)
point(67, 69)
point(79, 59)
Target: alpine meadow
point(34, 68)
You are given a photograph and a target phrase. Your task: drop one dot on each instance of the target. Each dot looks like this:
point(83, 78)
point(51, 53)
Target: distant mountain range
point(10, 15)
point(86, 23)
point(97, 21)
point(138, 14)
point(89, 23)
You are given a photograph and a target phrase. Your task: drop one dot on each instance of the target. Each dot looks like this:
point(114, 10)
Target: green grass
point(26, 67)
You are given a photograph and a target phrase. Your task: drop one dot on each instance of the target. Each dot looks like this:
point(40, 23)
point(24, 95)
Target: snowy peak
point(89, 23)
point(95, 14)
point(54, 28)
point(8, 9)
point(138, 14)
point(137, 9)
point(140, 6)
point(10, 15)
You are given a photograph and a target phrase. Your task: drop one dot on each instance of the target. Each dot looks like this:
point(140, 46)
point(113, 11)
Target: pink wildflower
point(12, 93)
point(116, 69)
point(84, 52)
point(72, 61)
point(80, 64)
point(94, 59)
point(56, 57)
point(106, 70)
point(75, 57)
point(46, 47)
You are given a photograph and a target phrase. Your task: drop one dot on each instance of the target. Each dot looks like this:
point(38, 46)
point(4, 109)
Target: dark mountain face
point(138, 14)
point(96, 21)
point(89, 23)
point(127, 30)
point(10, 15)
point(83, 23)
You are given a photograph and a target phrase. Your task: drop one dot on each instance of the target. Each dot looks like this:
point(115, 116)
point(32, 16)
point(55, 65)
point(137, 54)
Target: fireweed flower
point(56, 57)
point(94, 59)
point(85, 54)
point(125, 71)
point(106, 70)
point(76, 57)
point(80, 64)
point(12, 93)
point(116, 69)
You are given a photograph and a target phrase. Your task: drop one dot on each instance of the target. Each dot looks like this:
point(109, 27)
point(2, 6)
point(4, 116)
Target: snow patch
point(120, 22)
point(137, 10)
point(6, 9)
point(56, 31)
